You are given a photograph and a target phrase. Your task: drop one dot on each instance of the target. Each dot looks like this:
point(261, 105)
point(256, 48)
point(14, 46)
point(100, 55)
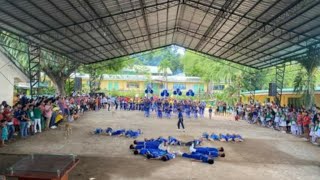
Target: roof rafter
point(142, 4)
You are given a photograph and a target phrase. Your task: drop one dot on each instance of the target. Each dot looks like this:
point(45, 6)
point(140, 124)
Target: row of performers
point(166, 107)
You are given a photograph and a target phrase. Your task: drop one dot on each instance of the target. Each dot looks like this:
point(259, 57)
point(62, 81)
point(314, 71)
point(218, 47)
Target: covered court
point(256, 33)
point(265, 153)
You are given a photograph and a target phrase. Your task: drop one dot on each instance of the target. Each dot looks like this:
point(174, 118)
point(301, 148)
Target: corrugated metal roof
point(255, 33)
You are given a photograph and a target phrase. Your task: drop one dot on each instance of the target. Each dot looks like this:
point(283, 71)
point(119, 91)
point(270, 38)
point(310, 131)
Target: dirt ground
point(265, 153)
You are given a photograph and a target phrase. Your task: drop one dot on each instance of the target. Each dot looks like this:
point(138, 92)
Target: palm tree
point(163, 67)
point(305, 81)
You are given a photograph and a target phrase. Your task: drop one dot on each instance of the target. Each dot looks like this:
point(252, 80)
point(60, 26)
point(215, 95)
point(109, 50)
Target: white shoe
point(53, 127)
point(178, 129)
point(315, 143)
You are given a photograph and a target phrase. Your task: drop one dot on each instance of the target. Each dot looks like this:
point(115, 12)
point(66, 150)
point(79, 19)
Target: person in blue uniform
point(133, 134)
point(212, 151)
point(224, 138)
point(98, 131)
point(153, 153)
point(111, 132)
point(146, 108)
point(238, 138)
point(187, 110)
point(198, 156)
point(180, 119)
point(173, 141)
point(214, 137)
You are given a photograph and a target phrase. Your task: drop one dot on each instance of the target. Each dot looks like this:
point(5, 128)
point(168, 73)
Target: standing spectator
point(306, 123)
point(210, 112)
point(4, 131)
point(7, 115)
point(23, 99)
point(24, 122)
point(37, 118)
point(48, 113)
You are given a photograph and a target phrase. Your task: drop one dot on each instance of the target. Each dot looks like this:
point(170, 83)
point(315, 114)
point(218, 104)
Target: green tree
point(305, 81)
point(97, 70)
point(58, 68)
point(163, 67)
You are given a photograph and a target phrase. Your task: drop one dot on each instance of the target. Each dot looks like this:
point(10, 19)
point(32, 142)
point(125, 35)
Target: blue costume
point(205, 135)
point(238, 137)
point(224, 137)
point(146, 108)
point(98, 131)
point(156, 154)
point(187, 110)
point(231, 137)
point(133, 134)
point(115, 133)
point(148, 145)
point(215, 137)
point(153, 144)
point(198, 156)
point(214, 152)
point(173, 141)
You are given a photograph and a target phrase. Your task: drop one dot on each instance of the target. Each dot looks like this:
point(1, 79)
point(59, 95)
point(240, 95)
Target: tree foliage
point(305, 80)
point(97, 70)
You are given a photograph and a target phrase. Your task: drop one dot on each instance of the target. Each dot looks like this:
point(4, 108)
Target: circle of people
point(158, 148)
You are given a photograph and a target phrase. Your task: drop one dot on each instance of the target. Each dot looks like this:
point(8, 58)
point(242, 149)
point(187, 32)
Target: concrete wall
point(9, 73)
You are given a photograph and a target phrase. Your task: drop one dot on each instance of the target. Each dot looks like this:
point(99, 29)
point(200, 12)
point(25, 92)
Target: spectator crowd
point(298, 121)
point(28, 117)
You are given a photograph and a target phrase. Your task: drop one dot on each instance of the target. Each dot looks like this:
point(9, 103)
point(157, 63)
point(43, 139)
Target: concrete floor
point(265, 154)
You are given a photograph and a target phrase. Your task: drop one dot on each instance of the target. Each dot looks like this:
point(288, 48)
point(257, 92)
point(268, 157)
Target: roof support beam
point(142, 4)
point(296, 39)
point(131, 41)
point(38, 40)
point(236, 22)
point(128, 25)
point(292, 11)
point(55, 19)
point(216, 22)
point(44, 23)
point(285, 56)
point(102, 23)
point(96, 29)
point(179, 15)
point(245, 17)
point(119, 17)
point(204, 17)
point(294, 14)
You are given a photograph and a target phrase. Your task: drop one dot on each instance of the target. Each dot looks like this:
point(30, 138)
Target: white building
point(10, 74)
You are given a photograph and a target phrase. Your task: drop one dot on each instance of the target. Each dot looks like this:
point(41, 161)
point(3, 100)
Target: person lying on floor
point(212, 137)
point(98, 131)
point(111, 132)
point(151, 153)
point(238, 138)
point(159, 139)
point(173, 141)
point(196, 142)
point(205, 135)
point(198, 156)
point(148, 145)
point(211, 151)
point(224, 138)
point(133, 134)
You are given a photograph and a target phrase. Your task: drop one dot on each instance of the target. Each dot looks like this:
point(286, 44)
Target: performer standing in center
point(180, 119)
